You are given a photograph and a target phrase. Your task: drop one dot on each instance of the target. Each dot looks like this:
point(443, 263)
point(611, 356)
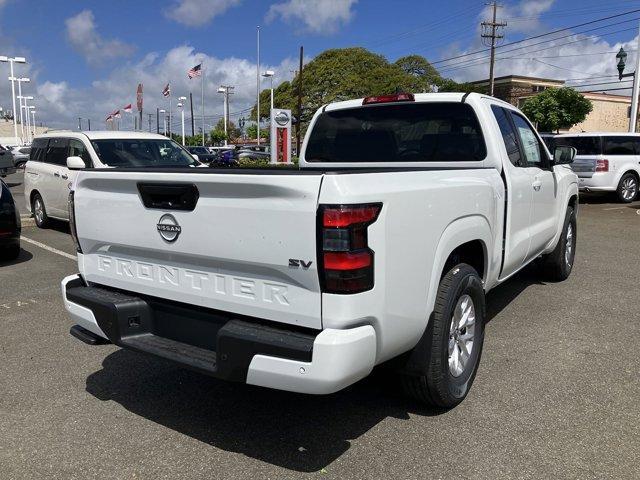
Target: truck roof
point(419, 98)
point(597, 134)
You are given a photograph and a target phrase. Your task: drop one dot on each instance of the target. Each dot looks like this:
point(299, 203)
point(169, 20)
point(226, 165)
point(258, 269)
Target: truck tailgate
point(230, 252)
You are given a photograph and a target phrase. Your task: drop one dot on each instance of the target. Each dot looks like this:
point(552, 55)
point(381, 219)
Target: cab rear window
point(408, 132)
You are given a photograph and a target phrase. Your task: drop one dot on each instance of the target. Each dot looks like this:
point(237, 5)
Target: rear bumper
point(598, 182)
point(227, 347)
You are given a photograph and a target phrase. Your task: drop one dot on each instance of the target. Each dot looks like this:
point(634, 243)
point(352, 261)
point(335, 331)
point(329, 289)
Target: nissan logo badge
point(281, 118)
point(169, 228)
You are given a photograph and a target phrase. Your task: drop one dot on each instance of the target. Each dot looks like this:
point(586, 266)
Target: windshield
point(408, 132)
point(199, 150)
point(142, 153)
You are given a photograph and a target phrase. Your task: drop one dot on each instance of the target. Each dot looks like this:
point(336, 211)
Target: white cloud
point(59, 104)
point(195, 13)
point(318, 16)
point(85, 39)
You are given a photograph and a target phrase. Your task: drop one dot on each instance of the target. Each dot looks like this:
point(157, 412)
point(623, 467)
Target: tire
point(627, 189)
point(39, 211)
point(20, 165)
point(558, 264)
point(10, 253)
point(443, 382)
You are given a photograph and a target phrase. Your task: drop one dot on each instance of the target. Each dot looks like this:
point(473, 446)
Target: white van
point(47, 178)
point(606, 162)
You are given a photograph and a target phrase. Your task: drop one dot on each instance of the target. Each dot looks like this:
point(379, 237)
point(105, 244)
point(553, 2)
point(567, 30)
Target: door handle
point(536, 185)
point(56, 174)
point(65, 176)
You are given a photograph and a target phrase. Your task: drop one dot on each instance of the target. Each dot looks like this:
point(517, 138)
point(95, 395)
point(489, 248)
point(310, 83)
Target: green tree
point(449, 85)
point(341, 74)
point(252, 130)
point(419, 68)
point(557, 108)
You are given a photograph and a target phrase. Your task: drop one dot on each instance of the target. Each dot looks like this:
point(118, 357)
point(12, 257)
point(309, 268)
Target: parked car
point(547, 138)
point(20, 156)
point(10, 225)
point(7, 167)
point(225, 158)
point(56, 158)
point(405, 212)
point(606, 162)
point(254, 151)
point(203, 153)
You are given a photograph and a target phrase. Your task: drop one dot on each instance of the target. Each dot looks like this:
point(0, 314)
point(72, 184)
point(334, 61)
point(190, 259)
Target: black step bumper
point(210, 341)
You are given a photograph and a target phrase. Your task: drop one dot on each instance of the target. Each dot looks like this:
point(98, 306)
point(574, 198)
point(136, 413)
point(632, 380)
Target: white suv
point(606, 162)
point(48, 178)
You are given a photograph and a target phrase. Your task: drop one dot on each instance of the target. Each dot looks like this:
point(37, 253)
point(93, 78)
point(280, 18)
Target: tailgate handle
point(169, 196)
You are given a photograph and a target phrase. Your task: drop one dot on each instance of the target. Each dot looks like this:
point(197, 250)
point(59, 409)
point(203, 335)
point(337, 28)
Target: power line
point(540, 36)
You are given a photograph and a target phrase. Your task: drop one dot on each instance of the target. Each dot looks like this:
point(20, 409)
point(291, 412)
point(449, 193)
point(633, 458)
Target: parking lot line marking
point(51, 249)
point(615, 208)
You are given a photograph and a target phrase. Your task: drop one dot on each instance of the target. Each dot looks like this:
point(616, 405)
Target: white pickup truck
point(405, 211)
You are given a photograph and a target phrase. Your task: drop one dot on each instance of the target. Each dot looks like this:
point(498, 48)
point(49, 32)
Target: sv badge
point(293, 263)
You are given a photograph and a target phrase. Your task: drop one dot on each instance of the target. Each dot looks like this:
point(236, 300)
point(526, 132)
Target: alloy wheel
point(461, 335)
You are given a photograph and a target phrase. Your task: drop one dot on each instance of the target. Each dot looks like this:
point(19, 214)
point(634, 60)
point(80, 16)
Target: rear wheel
point(627, 188)
point(39, 211)
point(558, 264)
point(449, 354)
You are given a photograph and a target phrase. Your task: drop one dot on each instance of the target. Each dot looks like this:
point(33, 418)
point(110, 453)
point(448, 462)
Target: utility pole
point(150, 117)
point(89, 122)
point(79, 124)
point(490, 33)
point(157, 120)
point(193, 127)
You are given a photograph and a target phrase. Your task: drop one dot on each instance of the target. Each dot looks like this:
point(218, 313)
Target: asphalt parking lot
point(557, 394)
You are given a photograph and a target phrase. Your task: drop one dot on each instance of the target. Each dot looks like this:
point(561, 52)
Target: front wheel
point(449, 354)
point(627, 188)
point(558, 264)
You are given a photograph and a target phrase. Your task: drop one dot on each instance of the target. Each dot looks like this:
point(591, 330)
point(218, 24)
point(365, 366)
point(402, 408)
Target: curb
point(27, 221)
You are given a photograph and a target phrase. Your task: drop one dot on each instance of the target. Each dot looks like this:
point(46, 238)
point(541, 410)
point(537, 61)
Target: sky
point(85, 58)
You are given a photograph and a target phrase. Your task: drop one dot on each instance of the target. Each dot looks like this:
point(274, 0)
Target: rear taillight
point(72, 221)
point(346, 261)
point(398, 97)
point(602, 165)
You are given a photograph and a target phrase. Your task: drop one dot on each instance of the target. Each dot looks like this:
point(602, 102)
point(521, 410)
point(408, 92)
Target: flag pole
point(169, 109)
point(202, 76)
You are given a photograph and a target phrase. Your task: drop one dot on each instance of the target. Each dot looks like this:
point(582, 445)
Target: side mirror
point(195, 156)
point(75, 163)
point(564, 155)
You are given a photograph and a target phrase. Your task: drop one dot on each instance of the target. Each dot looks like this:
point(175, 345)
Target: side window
point(508, 135)
point(78, 149)
point(57, 151)
point(38, 147)
point(618, 146)
point(529, 141)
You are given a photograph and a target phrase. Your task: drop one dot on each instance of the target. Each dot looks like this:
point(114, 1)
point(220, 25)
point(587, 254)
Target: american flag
point(195, 71)
point(167, 90)
point(127, 109)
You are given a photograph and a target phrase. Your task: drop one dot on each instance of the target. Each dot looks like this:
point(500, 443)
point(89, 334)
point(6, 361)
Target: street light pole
point(258, 89)
point(20, 98)
point(270, 74)
point(181, 101)
point(164, 121)
point(11, 61)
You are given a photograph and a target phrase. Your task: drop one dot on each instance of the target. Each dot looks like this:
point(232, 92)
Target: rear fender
point(459, 232)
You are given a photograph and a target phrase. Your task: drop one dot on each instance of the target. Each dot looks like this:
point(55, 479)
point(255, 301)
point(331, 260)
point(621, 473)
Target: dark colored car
point(203, 153)
point(225, 158)
point(10, 225)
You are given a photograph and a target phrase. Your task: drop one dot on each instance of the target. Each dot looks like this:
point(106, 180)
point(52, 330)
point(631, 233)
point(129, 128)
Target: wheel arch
point(468, 240)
